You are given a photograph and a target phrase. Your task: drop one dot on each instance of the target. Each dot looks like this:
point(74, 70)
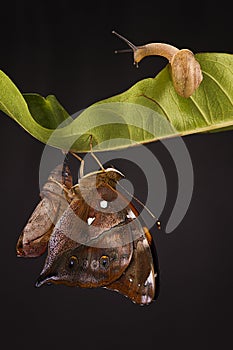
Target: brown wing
point(34, 238)
point(139, 281)
point(86, 219)
point(102, 209)
point(88, 266)
point(101, 247)
point(99, 242)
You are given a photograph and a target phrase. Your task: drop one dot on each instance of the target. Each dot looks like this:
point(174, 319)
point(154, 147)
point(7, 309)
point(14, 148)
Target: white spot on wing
point(131, 215)
point(150, 279)
point(90, 221)
point(103, 204)
point(145, 243)
point(146, 298)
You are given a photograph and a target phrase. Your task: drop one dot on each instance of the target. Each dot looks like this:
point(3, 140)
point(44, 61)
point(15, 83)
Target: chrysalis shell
point(34, 238)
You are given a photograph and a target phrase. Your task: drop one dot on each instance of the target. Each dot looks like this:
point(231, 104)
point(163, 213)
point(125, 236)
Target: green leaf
point(150, 110)
point(47, 112)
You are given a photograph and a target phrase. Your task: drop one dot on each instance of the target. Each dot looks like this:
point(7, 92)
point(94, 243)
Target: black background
point(67, 49)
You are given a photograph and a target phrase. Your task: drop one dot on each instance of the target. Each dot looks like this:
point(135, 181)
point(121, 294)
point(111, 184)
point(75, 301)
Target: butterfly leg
point(81, 169)
point(68, 192)
point(94, 156)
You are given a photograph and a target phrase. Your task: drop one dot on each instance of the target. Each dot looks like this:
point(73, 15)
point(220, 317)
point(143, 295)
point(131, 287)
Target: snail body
point(185, 70)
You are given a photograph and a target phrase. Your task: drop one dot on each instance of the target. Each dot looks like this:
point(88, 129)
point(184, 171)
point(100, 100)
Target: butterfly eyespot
point(104, 261)
point(85, 264)
point(73, 261)
point(124, 256)
point(114, 256)
point(94, 264)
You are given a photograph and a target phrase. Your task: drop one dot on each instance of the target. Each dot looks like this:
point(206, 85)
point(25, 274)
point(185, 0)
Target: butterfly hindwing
point(139, 281)
point(92, 265)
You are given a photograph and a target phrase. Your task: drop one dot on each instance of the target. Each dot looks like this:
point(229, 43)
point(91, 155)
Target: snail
point(185, 70)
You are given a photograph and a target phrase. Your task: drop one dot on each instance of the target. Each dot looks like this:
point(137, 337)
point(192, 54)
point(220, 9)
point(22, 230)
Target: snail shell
point(186, 73)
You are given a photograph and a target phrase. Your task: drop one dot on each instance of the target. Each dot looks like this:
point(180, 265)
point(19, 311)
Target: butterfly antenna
point(158, 223)
point(81, 169)
point(94, 156)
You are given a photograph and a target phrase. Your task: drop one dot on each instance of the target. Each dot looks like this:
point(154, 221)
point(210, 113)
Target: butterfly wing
point(88, 266)
point(140, 280)
point(74, 235)
point(99, 242)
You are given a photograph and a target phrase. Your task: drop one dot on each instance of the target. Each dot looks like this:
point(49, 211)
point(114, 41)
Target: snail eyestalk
point(133, 47)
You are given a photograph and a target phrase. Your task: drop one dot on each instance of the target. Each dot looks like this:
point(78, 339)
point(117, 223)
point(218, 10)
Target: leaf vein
point(156, 102)
point(200, 110)
point(220, 86)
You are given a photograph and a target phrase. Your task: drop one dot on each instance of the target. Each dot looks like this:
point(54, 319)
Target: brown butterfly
point(100, 242)
point(34, 238)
